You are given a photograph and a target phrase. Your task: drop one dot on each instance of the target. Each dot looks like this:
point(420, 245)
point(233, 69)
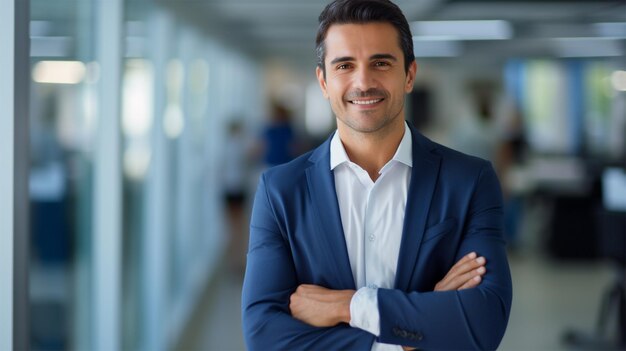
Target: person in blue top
point(279, 139)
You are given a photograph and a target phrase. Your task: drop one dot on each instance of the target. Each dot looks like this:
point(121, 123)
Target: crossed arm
point(322, 307)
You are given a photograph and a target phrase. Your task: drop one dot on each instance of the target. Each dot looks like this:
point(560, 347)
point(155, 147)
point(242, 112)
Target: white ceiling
point(286, 28)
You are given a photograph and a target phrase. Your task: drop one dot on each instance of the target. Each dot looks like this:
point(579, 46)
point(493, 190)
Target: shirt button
point(372, 237)
point(372, 286)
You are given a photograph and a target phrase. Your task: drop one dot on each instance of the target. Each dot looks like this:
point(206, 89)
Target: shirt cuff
point(364, 310)
point(376, 346)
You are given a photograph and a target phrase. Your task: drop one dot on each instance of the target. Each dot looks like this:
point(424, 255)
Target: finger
point(470, 265)
point(462, 279)
point(292, 303)
point(470, 256)
point(472, 283)
point(457, 281)
point(451, 273)
point(307, 289)
point(463, 268)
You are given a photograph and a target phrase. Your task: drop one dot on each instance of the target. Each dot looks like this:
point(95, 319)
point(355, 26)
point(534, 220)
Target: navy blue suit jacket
point(454, 207)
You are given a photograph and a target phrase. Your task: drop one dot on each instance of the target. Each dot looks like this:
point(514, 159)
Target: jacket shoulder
point(287, 174)
point(454, 160)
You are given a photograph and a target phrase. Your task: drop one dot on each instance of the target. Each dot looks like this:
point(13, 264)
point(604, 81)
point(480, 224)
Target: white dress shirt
point(372, 216)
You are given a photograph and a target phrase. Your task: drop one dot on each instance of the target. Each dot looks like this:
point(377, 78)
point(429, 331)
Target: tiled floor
point(223, 322)
point(549, 297)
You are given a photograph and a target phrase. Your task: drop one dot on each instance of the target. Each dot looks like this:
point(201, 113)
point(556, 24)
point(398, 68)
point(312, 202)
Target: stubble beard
point(381, 127)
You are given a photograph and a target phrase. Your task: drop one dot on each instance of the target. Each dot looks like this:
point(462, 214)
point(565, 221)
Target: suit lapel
point(423, 180)
point(321, 184)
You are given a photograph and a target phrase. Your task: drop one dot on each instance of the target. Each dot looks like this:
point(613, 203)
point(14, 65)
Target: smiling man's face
point(365, 76)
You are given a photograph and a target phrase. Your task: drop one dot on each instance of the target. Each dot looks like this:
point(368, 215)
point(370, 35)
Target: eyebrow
point(373, 57)
point(383, 56)
point(341, 59)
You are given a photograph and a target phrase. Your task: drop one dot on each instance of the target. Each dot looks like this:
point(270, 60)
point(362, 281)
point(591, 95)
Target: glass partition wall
point(175, 92)
point(63, 119)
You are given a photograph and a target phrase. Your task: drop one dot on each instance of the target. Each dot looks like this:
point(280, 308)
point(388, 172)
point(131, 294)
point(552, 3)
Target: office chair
point(612, 245)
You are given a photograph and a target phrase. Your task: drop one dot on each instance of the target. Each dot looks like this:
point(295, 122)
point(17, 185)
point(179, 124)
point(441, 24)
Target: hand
point(319, 306)
point(465, 274)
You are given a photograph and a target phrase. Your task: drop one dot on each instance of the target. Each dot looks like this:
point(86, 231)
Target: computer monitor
point(614, 189)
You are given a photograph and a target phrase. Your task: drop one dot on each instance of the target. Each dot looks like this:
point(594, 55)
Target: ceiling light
point(588, 47)
point(616, 29)
point(435, 47)
point(463, 30)
point(59, 72)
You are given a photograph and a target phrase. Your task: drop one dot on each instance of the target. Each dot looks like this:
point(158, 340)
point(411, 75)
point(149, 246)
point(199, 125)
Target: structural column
point(14, 156)
point(107, 217)
point(155, 251)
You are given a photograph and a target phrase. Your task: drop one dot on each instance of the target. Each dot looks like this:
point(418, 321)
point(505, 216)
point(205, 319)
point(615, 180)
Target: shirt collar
point(404, 153)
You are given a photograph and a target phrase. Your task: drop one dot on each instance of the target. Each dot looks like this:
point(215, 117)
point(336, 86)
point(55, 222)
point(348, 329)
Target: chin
point(367, 127)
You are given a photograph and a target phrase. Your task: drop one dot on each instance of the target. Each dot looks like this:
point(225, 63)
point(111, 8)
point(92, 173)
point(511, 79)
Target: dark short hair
point(359, 12)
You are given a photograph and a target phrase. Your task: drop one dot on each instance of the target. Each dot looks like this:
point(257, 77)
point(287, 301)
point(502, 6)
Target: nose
point(363, 79)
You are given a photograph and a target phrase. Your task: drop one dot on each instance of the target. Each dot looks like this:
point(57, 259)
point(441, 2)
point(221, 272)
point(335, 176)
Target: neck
point(371, 151)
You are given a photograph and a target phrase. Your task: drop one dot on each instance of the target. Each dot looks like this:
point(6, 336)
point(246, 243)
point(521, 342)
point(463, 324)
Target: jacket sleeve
point(269, 282)
point(468, 319)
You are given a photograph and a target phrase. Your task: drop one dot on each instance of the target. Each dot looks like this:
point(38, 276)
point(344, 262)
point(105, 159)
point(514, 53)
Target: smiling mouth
point(366, 102)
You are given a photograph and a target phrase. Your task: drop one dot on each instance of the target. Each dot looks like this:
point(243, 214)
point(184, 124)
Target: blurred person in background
point(509, 160)
point(476, 132)
point(499, 138)
point(278, 138)
point(49, 190)
point(51, 231)
point(235, 179)
point(380, 238)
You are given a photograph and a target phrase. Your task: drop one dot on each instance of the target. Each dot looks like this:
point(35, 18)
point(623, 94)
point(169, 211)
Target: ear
point(321, 80)
point(410, 77)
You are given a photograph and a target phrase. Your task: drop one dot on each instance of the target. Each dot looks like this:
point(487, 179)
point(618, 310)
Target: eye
point(383, 64)
point(343, 66)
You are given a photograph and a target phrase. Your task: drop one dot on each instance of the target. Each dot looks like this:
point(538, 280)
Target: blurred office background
point(150, 121)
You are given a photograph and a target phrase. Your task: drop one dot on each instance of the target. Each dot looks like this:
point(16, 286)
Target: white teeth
point(365, 102)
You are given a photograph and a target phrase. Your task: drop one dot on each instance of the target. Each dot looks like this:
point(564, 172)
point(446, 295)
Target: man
point(353, 245)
